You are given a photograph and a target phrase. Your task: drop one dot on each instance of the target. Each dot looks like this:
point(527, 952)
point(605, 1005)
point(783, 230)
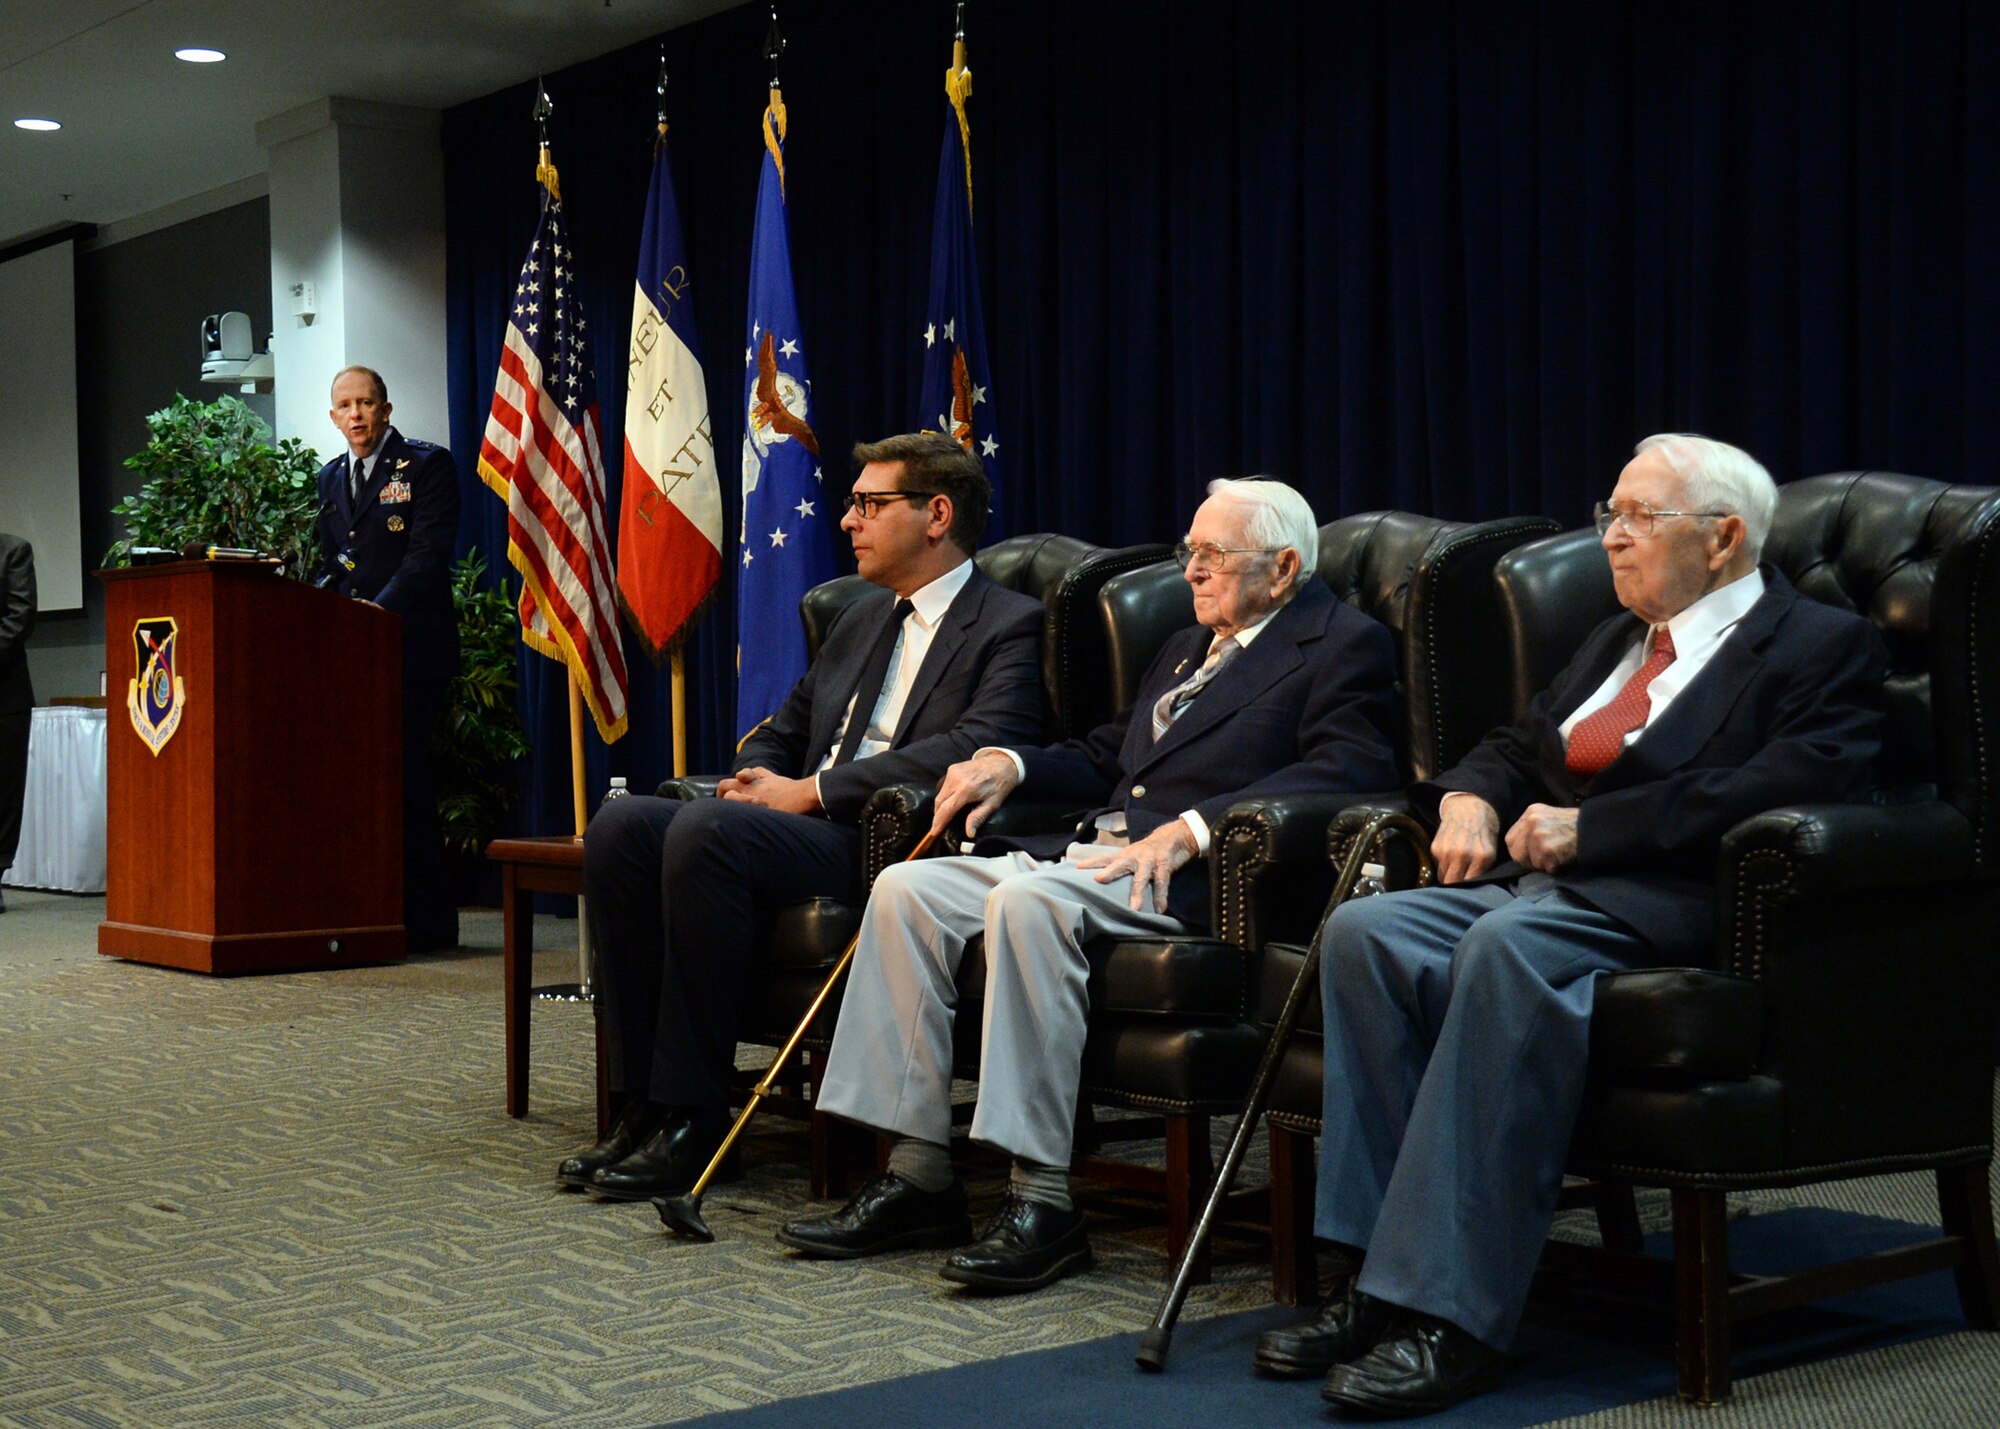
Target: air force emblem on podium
point(156, 696)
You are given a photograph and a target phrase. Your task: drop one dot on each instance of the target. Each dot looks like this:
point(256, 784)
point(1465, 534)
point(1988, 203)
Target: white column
point(357, 213)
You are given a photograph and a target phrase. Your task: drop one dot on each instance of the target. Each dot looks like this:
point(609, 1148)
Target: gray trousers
point(890, 1067)
point(1457, 1037)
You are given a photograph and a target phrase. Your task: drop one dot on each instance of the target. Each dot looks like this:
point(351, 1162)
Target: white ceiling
point(142, 130)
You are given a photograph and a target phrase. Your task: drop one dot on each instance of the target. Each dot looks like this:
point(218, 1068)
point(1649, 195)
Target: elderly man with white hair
point(1581, 839)
point(1280, 689)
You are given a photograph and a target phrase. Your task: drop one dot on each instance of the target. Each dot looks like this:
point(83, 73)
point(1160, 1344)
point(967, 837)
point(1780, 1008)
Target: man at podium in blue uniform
point(388, 517)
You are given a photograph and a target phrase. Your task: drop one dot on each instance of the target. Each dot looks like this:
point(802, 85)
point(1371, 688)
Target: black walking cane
point(682, 1214)
point(1152, 1351)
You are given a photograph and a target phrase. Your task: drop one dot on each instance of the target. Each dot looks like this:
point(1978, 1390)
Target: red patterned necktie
point(1599, 738)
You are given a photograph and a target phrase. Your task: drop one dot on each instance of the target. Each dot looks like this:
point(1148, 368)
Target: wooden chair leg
point(1618, 1218)
point(517, 914)
point(1294, 1177)
point(1966, 1206)
point(1190, 1173)
point(1701, 1295)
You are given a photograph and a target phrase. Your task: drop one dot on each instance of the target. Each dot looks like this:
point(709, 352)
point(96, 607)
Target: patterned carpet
point(297, 1201)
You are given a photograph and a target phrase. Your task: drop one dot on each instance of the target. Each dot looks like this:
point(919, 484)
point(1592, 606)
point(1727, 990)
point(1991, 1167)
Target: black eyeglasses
point(1639, 519)
point(868, 503)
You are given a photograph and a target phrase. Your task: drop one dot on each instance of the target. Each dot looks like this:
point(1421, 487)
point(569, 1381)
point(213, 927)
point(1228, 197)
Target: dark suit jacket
point(1788, 710)
point(17, 622)
point(980, 684)
point(394, 545)
point(1309, 707)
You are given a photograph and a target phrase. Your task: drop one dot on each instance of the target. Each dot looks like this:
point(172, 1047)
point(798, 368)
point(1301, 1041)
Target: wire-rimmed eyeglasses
point(1210, 557)
point(1639, 519)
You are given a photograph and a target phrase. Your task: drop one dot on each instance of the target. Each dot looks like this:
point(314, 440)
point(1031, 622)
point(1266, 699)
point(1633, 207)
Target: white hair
point(1716, 477)
point(1279, 517)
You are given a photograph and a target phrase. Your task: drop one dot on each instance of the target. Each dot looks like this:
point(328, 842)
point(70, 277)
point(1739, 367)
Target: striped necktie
point(1174, 702)
point(1599, 738)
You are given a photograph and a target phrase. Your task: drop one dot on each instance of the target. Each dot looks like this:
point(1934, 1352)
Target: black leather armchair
point(1170, 1025)
point(1846, 1027)
point(804, 940)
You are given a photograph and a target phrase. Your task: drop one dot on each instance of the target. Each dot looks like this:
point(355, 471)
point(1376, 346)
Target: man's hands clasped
point(1468, 840)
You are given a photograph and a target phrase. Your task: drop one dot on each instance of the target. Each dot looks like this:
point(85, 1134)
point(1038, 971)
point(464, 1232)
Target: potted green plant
point(479, 742)
point(212, 476)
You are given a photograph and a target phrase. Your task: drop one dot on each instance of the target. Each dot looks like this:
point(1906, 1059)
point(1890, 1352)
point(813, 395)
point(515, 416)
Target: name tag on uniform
point(395, 491)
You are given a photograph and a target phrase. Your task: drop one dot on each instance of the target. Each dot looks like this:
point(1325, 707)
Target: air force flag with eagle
point(956, 398)
point(788, 514)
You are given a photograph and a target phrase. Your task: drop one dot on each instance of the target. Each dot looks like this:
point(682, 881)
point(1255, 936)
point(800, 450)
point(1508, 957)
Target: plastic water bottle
point(616, 791)
point(1371, 881)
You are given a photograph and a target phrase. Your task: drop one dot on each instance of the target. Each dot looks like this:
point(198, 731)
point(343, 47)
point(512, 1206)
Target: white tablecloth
point(62, 819)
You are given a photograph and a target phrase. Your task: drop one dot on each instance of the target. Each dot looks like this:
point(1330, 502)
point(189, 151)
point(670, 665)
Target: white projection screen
point(39, 471)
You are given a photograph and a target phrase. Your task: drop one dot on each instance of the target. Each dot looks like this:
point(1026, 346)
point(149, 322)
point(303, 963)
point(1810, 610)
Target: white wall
point(39, 469)
point(357, 210)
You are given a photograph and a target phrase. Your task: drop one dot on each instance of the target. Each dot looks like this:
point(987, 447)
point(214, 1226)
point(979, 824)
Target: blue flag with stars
point(788, 520)
point(957, 381)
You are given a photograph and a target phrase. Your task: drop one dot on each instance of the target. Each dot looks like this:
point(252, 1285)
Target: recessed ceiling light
point(40, 126)
point(200, 57)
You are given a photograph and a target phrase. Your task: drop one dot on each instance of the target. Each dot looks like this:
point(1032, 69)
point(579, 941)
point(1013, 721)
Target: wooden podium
point(254, 767)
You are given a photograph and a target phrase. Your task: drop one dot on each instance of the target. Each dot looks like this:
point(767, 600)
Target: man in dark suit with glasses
point(910, 679)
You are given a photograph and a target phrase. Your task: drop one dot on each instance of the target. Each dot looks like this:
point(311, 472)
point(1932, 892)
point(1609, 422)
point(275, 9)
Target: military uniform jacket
point(393, 543)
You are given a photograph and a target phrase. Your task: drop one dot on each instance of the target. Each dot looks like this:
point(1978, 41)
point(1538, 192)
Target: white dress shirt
point(1698, 633)
point(913, 642)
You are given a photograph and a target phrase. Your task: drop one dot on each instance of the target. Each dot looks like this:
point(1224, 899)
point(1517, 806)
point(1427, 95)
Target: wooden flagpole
point(576, 752)
point(679, 672)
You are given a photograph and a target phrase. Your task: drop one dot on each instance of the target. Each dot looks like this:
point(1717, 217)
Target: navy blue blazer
point(17, 622)
point(980, 684)
point(1309, 707)
point(394, 544)
point(1788, 710)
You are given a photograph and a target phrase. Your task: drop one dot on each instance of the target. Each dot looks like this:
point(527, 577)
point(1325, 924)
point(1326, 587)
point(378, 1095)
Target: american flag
point(541, 454)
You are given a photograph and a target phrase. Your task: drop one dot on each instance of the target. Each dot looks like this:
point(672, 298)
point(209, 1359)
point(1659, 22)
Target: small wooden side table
point(550, 863)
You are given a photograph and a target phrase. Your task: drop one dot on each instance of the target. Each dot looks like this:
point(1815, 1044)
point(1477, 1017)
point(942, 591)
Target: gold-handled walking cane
point(682, 1214)
point(1152, 1351)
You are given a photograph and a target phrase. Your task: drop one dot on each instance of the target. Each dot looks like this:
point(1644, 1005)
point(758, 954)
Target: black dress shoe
point(671, 1160)
point(1423, 1364)
point(628, 1133)
point(1346, 1326)
point(1027, 1244)
point(888, 1213)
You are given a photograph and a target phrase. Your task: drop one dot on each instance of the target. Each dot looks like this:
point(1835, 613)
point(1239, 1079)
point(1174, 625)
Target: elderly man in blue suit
point(1581, 839)
point(388, 519)
point(910, 677)
point(1280, 689)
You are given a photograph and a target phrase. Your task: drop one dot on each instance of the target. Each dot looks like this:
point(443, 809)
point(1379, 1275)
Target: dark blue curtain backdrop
point(1454, 258)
